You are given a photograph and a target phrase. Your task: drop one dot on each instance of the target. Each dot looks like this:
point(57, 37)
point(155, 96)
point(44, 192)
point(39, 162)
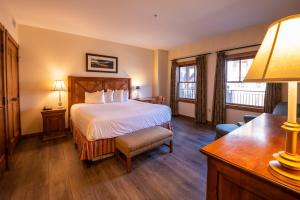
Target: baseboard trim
point(186, 117)
point(209, 123)
point(38, 134)
point(31, 135)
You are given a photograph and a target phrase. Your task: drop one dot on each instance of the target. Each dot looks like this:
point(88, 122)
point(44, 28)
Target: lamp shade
point(59, 85)
point(278, 58)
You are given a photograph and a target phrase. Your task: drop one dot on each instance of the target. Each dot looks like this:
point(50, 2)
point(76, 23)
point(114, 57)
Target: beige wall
point(47, 55)
point(186, 109)
point(6, 19)
point(249, 36)
point(160, 72)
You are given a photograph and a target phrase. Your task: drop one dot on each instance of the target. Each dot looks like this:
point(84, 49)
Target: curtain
point(219, 110)
point(173, 92)
point(200, 107)
point(272, 96)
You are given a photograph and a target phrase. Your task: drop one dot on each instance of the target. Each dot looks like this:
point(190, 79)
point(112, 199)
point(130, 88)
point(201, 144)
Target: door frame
point(8, 37)
point(3, 55)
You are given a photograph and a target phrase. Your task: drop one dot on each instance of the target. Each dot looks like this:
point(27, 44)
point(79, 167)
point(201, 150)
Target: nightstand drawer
point(53, 124)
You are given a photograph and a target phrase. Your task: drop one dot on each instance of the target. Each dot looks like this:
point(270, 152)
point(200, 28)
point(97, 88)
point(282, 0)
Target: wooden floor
point(52, 170)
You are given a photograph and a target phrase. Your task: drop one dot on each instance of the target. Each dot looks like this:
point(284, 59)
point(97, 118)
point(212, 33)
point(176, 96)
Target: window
point(237, 92)
point(187, 82)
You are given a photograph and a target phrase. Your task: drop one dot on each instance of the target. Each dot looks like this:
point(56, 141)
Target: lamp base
point(60, 105)
point(286, 165)
point(283, 173)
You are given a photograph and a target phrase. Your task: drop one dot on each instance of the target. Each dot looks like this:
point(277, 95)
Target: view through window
point(187, 82)
point(237, 92)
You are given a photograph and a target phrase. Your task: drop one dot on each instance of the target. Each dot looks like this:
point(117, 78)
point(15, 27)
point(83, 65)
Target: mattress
point(102, 121)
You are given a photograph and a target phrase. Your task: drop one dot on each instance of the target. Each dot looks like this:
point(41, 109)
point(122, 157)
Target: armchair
point(280, 109)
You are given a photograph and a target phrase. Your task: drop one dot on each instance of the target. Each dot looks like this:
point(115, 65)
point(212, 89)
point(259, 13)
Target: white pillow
point(118, 95)
point(94, 97)
point(109, 96)
point(102, 97)
point(125, 95)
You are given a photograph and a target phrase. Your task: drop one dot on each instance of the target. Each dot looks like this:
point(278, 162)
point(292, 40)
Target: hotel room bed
point(95, 126)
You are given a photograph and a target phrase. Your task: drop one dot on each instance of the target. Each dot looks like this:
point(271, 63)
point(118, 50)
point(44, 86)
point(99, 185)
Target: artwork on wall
point(101, 63)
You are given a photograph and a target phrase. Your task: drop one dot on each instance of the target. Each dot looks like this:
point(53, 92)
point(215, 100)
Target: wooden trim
point(31, 135)
point(244, 55)
point(224, 50)
point(193, 101)
point(4, 157)
point(11, 38)
point(186, 117)
point(37, 134)
point(11, 144)
point(186, 63)
point(245, 108)
point(209, 123)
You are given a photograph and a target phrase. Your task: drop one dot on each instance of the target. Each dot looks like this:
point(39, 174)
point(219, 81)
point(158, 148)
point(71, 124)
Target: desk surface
point(251, 146)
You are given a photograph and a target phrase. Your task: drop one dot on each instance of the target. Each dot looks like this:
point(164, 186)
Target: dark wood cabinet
point(238, 163)
point(3, 159)
point(10, 129)
point(53, 123)
point(12, 92)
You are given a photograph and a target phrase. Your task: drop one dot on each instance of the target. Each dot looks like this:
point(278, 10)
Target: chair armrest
point(248, 118)
point(240, 123)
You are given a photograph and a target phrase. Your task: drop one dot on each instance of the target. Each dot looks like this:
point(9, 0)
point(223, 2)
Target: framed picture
point(101, 63)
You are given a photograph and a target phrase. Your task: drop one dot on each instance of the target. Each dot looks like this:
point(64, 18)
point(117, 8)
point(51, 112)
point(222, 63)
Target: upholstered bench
point(140, 141)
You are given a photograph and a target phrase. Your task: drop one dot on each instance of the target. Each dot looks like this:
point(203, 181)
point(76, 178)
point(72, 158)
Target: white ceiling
point(133, 22)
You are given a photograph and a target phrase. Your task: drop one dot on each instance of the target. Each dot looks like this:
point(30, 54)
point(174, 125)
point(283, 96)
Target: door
point(2, 104)
point(12, 85)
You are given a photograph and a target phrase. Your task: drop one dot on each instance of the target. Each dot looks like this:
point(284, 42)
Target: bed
point(95, 126)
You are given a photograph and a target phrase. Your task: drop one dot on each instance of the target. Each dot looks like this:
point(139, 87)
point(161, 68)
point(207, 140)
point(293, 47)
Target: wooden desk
point(238, 162)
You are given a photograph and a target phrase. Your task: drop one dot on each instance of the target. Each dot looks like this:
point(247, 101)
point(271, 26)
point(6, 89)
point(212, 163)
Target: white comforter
point(100, 121)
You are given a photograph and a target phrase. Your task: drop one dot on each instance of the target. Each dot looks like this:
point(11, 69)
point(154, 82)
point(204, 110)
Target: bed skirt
point(98, 149)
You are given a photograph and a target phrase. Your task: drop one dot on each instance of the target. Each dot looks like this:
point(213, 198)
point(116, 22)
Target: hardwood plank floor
point(52, 170)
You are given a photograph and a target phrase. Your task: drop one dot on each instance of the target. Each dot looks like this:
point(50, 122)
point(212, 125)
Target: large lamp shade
point(278, 60)
point(59, 85)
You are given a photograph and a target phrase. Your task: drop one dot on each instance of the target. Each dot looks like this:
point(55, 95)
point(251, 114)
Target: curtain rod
point(204, 54)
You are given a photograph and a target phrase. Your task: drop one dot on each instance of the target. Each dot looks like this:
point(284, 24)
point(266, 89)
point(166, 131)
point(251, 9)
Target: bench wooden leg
point(171, 146)
point(128, 164)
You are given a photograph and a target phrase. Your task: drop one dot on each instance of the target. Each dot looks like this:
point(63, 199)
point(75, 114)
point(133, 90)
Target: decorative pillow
point(125, 95)
point(109, 96)
point(118, 95)
point(94, 97)
point(102, 97)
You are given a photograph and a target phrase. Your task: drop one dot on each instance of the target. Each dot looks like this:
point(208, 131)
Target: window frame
point(186, 64)
point(234, 57)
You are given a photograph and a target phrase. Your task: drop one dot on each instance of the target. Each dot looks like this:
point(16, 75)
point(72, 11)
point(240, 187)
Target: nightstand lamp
point(59, 86)
point(278, 60)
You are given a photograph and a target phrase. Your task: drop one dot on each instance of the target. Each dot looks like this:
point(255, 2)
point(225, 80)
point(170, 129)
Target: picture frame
point(101, 63)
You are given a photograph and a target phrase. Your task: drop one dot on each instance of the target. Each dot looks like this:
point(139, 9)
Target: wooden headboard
point(77, 86)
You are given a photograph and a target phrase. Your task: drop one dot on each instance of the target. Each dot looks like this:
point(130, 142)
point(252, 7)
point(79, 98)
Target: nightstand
point(154, 100)
point(147, 99)
point(53, 124)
